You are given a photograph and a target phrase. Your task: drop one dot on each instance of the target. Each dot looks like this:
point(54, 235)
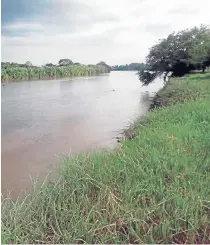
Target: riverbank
point(10, 74)
point(152, 189)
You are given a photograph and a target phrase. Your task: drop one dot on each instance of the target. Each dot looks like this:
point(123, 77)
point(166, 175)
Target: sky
point(89, 31)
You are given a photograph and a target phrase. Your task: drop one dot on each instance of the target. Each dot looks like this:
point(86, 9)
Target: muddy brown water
point(45, 120)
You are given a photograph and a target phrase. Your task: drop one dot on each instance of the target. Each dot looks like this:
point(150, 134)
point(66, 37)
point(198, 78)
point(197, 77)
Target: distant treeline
point(64, 68)
point(130, 67)
point(11, 71)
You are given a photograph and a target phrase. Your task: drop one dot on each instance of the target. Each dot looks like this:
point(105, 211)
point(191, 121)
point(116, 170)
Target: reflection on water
point(41, 120)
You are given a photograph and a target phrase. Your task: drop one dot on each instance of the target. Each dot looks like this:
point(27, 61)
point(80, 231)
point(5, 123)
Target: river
point(44, 120)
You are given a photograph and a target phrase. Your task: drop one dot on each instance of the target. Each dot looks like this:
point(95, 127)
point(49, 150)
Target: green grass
point(191, 87)
point(152, 189)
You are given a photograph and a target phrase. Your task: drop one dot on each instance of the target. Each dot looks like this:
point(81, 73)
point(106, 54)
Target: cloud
point(18, 26)
point(89, 31)
point(184, 9)
point(157, 29)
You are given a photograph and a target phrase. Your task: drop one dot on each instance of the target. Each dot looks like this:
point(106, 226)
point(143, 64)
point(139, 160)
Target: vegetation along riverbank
point(65, 68)
point(152, 189)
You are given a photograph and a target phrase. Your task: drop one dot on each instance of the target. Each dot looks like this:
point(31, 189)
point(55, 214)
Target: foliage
point(174, 54)
point(49, 65)
point(28, 64)
point(102, 63)
point(5, 65)
point(130, 67)
point(65, 62)
point(15, 72)
point(200, 51)
point(153, 189)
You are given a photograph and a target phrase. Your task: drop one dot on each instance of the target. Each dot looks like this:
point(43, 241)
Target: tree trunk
point(165, 76)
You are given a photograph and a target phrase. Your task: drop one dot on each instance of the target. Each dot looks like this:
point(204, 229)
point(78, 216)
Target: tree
point(130, 67)
point(28, 63)
point(107, 67)
point(65, 62)
point(49, 65)
point(172, 54)
point(102, 63)
point(200, 50)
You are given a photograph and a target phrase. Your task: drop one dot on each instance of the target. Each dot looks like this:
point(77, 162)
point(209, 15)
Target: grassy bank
point(24, 73)
point(152, 189)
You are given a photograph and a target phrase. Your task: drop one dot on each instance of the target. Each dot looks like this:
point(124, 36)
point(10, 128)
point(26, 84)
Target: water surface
point(43, 120)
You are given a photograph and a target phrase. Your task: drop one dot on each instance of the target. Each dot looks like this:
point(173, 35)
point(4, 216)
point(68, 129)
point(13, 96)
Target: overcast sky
point(88, 31)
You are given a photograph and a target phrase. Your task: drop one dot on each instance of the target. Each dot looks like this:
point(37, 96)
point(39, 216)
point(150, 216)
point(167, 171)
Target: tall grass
point(152, 189)
point(179, 90)
point(28, 73)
